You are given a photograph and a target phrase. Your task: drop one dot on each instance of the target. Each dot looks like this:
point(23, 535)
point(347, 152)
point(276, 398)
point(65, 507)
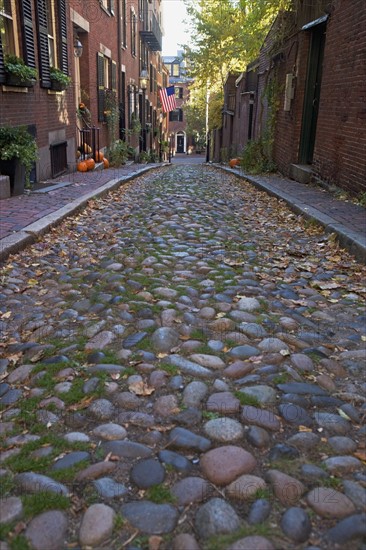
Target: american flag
point(167, 98)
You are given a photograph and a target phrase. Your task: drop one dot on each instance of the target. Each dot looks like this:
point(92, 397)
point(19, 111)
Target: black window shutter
point(44, 60)
point(101, 86)
point(2, 72)
point(28, 34)
point(114, 76)
point(64, 61)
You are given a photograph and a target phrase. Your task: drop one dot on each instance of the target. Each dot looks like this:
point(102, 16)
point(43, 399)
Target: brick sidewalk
point(18, 212)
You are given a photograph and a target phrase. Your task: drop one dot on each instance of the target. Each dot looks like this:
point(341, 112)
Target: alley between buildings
point(183, 368)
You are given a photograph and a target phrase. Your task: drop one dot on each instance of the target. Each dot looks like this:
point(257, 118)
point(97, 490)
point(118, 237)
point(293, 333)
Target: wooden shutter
point(114, 76)
point(2, 72)
point(101, 86)
point(27, 33)
point(64, 61)
point(44, 60)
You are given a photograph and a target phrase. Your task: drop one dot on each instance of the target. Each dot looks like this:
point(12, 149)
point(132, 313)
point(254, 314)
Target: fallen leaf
point(14, 357)
point(154, 542)
point(361, 455)
point(162, 355)
point(304, 429)
point(32, 282)
point(85, 402)
point(6, 315)
point(219, 315)
point(343, 414)
point(37, 356)
point(141, 388)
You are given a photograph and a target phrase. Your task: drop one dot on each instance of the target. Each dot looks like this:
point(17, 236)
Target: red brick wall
point(340, 145)
point(49, 112)
point(340, 150)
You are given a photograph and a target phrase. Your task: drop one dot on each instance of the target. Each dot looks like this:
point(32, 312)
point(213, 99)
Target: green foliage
point(153, 156)
point(362, 199)
point(135, 125)
point(111, 114)
point(59, 76)
point(118, 153)
point(246, 399)
point(15, 66)
point(254, 158)
point(144, 156)
point(227, 35)
point(41, 502)
point(18, 143)
point(160, 494)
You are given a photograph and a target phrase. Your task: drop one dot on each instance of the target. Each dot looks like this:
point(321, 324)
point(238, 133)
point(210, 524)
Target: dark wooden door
point(180, 144)
point(312, 94)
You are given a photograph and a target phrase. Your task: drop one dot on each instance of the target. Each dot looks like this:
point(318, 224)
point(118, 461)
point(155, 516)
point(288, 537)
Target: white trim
point(79, 20)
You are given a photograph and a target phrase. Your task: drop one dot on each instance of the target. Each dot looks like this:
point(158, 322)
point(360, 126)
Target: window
point(51, 33)
point(108, 5)
point(178, 92)
point(174, 70)
point(107, 83)
point(7, 27)
point(176, 115)
point(123, 22)
point(133, 33)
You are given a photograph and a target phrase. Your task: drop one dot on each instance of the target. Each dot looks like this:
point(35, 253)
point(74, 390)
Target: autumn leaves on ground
point(183, 367)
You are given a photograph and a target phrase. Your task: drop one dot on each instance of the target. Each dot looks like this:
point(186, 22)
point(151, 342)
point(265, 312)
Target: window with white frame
point(133, 32)
point(7, 27)
point(51, 33)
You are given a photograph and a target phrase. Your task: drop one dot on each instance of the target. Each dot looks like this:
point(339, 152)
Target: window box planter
point(18, 73)
point(58, 86)
point(15, 80)
point(59, 80)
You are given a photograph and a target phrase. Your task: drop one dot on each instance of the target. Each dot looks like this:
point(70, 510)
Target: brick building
point(307, 92)
point(119, 41)
point(181, 142)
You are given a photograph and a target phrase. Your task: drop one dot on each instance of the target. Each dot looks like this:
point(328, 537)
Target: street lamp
point(143, 80)
point(78, 47)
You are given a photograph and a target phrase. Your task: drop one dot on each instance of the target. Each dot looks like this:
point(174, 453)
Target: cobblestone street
point(183, 368)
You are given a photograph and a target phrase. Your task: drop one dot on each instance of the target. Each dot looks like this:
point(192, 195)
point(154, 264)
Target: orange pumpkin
point(234, 162)
point(99, 156)
point(105, 163)
point(90, 164)
point(82, 166)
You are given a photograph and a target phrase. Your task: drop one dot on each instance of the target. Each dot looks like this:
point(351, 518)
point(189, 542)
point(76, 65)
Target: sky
point(174, 13)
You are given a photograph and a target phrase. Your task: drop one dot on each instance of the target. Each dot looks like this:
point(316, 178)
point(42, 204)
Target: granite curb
point(30, 233)
point(354, 242)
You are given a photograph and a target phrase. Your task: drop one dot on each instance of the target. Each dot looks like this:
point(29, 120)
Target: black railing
point(89, 142)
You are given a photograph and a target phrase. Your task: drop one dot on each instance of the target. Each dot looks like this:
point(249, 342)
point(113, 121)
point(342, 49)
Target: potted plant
point(18, 153)
point(59, 80)
point(18, 73)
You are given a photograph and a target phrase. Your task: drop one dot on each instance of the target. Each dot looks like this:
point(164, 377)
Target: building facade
point(181, 142)
point(305, 95)
point(111, 49)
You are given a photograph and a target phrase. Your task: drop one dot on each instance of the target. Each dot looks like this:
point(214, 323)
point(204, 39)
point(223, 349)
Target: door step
point(301, 172)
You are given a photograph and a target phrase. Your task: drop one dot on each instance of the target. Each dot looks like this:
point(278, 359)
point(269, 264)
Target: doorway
point(180, 143)
point(312, 94)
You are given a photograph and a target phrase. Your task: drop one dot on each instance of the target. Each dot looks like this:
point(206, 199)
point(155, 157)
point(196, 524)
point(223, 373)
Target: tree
point(227, 35)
